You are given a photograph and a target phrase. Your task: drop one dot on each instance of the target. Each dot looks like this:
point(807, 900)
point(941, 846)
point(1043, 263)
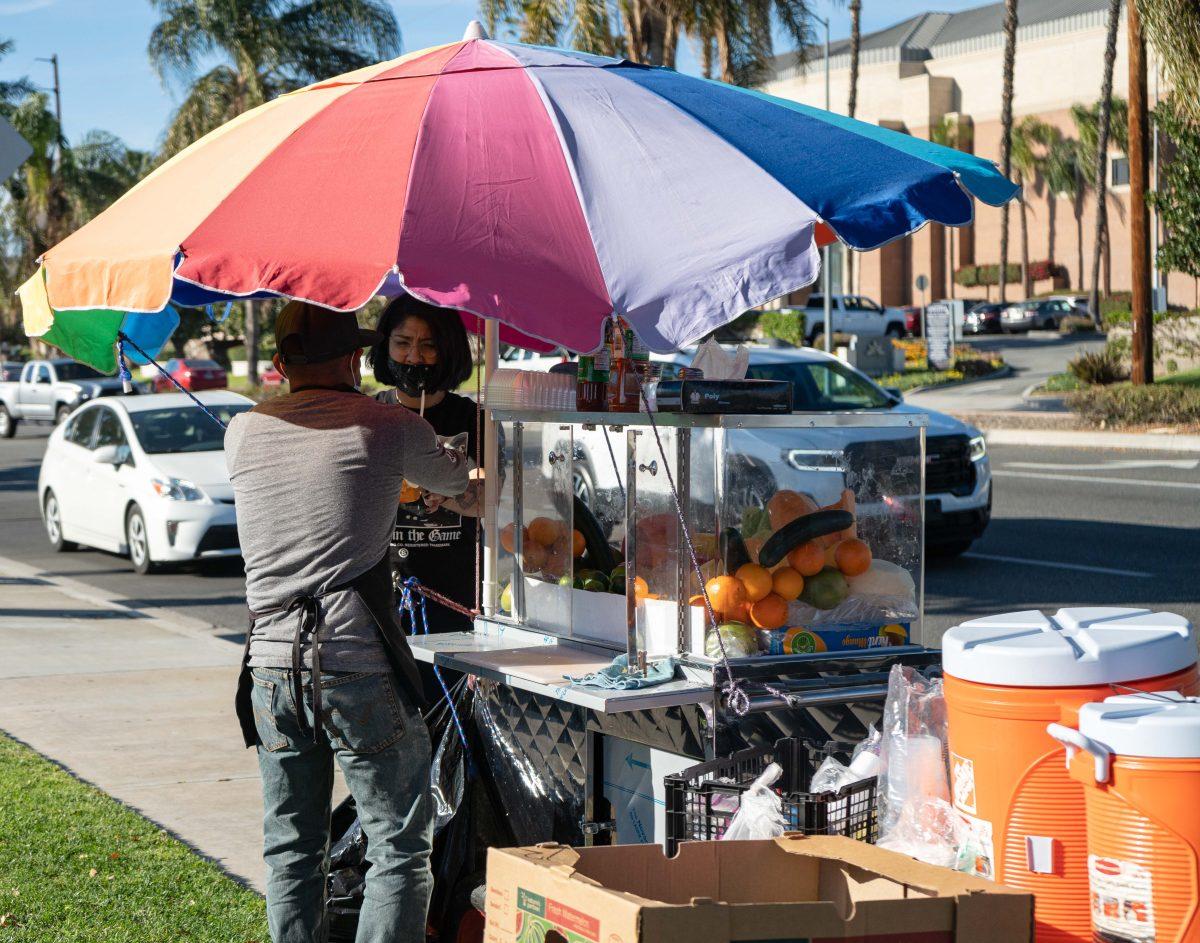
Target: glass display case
point(803, 532)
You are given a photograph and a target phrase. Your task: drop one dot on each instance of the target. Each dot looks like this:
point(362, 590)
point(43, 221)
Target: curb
point(1150, 441)
point(1005, 371)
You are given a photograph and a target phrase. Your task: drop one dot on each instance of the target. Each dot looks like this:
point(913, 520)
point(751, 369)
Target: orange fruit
point(770, 612)
point(786, 505)
point(756, 579)
point(543, 530)
point(534, 555)
point(578, 544)
point(740, 613)
point(409, 493)
point(726, 593)
point(697, 600)
point(853, 557)
point(808, 559)
point(508, 535)
point(558, 563)
point(787, 584)
point(641, 589)
point(830, 550)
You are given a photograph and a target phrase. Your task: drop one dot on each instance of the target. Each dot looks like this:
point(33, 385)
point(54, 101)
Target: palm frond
point(362, 31)
point(591, 30)
point(211, 102)
point(182, 38)
point(1173, 29)
point(542, 22)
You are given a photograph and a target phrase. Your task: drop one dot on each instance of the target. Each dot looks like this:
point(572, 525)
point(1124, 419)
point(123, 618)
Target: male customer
point(327, 672)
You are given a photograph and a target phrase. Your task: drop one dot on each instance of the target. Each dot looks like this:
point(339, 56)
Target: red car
point(192, 375)
point(270, 377)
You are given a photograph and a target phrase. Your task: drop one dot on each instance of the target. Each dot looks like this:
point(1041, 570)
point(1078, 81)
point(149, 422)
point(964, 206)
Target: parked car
point(142, 476)
point(1078, 302)
point(1035, 314)
point(851, 314)
point(270, 377)
point(983, 318)
point(47, 390)
point(912, 319)
point(958, 479)
point(192, 374)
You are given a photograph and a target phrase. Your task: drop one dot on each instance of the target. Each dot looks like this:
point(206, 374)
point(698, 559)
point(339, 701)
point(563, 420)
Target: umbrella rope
point(410, 587)
point(126, 378)
point(733, 690)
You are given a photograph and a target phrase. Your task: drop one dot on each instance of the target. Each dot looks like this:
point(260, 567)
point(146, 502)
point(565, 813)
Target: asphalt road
point(1033, 357)
point(1070, 527)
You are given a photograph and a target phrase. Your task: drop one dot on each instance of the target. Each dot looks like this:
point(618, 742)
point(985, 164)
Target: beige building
point(938, 65)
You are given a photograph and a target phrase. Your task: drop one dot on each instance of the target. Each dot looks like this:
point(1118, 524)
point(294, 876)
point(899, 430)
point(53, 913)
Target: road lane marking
point(1092, 479)
point(1113, 464)
point(1056, 565)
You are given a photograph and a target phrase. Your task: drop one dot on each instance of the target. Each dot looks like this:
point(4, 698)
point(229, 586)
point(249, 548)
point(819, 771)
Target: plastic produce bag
point(760, 814)
point(915, 815)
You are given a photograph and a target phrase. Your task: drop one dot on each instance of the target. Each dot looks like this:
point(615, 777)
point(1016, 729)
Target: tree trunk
point(706, 55)
point(1025, 285)
point(1077, 208)
point(852, 104)
point(1006, 97)
point(1139, 218)
point(950, 261)
point(251, 336)
point(670, 41)
point(1051, 224)
point(1110, 55)
point(724, 50)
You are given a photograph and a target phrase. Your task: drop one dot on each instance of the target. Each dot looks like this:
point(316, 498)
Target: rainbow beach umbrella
point(545, 188)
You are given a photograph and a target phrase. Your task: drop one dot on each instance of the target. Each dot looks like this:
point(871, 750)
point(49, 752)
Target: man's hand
point(468, 504)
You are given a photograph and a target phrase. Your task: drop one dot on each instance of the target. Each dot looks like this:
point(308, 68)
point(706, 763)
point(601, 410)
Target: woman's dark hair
point(454, 352)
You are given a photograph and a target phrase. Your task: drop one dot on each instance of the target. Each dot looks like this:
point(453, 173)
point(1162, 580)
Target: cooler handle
point(1074, 741)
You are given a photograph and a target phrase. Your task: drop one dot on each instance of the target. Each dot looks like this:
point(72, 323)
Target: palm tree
point(1101, 155)
point(1087, 127)
point(946, 133)
point(1006, 123)
point(1173, 28)
point(1062, 174)
point(261, 48)
point(1031, 140)
point(14, 91)
point(587, 23)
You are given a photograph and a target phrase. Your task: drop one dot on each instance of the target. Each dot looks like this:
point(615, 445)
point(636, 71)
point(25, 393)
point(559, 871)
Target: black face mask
point(413, 379)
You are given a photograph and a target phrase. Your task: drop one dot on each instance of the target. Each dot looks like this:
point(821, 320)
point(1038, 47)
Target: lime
point(594, 585)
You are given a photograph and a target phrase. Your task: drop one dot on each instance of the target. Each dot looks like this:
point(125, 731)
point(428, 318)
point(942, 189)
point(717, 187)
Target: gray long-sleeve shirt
point(316, 476)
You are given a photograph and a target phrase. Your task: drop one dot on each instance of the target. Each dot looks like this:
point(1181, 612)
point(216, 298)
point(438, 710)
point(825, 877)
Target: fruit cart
point(604, 534)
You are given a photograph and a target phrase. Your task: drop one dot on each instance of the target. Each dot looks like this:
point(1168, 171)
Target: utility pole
point(1139, 221)
point(826, 283)
point(53, 60)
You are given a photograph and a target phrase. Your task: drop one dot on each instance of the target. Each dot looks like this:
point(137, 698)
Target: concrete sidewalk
point(139, 704)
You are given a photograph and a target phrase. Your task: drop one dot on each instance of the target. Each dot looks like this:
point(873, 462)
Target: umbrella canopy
point(546, 188)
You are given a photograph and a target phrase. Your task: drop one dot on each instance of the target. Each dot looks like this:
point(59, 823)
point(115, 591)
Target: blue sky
point(107, 82)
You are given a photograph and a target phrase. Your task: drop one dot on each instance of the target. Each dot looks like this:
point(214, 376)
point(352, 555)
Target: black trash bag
point(449, 776)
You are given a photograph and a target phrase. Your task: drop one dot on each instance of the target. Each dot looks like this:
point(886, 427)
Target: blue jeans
point(382, 745)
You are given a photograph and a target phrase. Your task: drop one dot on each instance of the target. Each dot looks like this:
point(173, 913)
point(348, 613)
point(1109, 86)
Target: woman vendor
point(423, 357)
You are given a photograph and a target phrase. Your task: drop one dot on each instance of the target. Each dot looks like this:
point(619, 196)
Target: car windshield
point(183, 428)
point(77, 371)
point(823, 386)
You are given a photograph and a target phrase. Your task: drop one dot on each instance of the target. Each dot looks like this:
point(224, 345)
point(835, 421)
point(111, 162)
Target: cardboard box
point(792, 890)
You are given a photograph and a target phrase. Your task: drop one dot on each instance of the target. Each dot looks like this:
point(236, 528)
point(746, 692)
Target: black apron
point(375, 589)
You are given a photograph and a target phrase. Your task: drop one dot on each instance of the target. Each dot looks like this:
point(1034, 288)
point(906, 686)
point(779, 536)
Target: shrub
point(1076, 324)
point(786, 325)
point(1137, 405)
point(1043, 269)
point(973, 366)
point(1099, 367)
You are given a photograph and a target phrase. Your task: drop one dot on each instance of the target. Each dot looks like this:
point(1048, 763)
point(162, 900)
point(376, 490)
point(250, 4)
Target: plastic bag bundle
point(915, 815)
point(760, 814)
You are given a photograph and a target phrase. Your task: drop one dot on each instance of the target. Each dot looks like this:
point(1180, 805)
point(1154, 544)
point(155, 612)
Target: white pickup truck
point(48, 390)
point(850, 314)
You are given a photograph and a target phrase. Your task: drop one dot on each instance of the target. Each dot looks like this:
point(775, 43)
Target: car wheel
point(8, 425)
point(894, 331)
point(52, 514)
point(583, 485)
point(61, 414)
point(955, 548)
point(137, 538)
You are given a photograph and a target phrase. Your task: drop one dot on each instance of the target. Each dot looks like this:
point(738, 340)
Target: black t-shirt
point(439, 549)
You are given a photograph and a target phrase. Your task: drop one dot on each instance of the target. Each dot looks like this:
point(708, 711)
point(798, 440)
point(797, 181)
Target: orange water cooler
point(1138, 758)
point(1006, 678)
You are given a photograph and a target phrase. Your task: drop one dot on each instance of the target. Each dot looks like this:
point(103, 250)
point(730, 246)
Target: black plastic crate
point(700, 807)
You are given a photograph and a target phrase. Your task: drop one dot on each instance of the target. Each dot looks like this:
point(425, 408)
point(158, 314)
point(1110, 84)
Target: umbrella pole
point(491, 480)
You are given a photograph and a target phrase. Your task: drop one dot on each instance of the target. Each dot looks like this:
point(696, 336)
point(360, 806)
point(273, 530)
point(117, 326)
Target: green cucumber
point(801, 531)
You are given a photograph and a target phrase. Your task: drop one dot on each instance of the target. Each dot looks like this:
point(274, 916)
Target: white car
point(143, 476)
point(958, 478)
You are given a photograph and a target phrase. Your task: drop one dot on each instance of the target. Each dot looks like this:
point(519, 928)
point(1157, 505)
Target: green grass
point(911, 379)
point(1183, 378)
point(78, 867)
point(1060, 383)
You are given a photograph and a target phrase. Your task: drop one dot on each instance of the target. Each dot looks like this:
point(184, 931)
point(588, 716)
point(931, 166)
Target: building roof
point(933, 35)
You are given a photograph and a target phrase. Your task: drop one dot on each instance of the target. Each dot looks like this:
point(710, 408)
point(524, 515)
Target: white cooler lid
point(1072, 648)
point(1166, 724)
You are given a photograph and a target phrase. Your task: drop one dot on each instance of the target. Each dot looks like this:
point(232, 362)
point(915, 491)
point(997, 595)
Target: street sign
point(922, 282)
point(939, 335)
point(14, 149)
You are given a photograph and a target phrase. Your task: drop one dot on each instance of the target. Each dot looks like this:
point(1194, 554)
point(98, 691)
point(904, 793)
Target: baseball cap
point(308, 333)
